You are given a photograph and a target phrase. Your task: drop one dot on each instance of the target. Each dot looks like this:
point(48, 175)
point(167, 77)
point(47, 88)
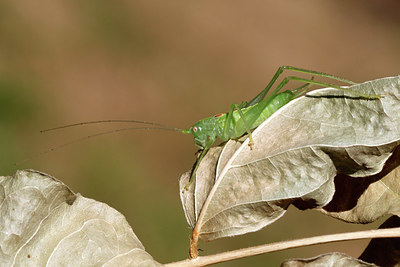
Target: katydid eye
point(194, 129)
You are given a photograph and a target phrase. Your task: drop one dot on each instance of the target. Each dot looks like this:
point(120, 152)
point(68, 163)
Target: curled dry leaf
point(331, 259)
point(367, 199)
point(44, 223)
point(298, 152)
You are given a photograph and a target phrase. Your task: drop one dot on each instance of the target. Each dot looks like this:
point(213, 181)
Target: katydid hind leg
point(294, 78)
point(257, 109)
point(318, 73)
point(257, 99)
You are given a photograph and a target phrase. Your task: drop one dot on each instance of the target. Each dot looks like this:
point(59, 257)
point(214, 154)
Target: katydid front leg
point(203, 153)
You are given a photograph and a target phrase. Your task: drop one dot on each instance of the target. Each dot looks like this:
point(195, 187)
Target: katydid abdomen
point(267, 109)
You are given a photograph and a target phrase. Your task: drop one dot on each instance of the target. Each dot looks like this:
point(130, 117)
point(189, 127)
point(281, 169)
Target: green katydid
point(245, 117)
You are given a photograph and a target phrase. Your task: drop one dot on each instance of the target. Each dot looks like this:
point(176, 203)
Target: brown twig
point(252, 251)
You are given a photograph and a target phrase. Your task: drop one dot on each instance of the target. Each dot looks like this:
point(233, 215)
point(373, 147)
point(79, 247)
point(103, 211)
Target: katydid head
point(203, 136)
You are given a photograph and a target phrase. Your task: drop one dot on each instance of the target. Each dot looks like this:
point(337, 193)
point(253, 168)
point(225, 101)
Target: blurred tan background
point(172, 62)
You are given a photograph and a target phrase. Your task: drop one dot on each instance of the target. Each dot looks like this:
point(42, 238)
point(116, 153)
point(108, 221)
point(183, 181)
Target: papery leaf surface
point(43, 223)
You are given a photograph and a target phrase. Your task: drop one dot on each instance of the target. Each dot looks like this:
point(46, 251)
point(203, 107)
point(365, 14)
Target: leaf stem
point(278, 246)
point(194, 240)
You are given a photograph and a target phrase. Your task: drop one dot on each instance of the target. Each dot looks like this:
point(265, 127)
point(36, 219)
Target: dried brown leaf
point(298, 152)
point(43, 223)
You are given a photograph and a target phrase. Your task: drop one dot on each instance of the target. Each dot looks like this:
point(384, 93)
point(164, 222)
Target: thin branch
point(278, 246)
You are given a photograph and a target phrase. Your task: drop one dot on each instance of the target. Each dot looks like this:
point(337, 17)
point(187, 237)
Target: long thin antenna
point(112, 121)
point(91, 136)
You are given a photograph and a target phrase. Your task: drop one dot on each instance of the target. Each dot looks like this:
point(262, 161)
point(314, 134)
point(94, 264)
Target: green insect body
point(206, 131)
